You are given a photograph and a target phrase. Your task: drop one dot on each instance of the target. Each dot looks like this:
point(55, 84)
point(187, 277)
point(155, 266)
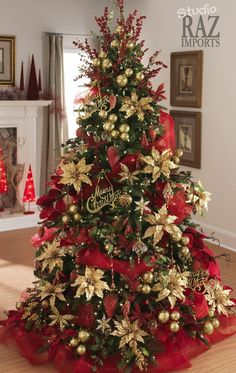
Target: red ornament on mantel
point(22, 85)
point(29, 192)
point(33, 91)
point(3, 179)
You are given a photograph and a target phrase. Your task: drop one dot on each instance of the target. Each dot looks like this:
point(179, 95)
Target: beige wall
point(162, 30)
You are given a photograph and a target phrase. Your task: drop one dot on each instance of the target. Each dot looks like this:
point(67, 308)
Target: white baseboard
point(227, 239)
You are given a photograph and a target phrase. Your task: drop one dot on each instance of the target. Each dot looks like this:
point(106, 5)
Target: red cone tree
point(29, 192)
point(3, 179)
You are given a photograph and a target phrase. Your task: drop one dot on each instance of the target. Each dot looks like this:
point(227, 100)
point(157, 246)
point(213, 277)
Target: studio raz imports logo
point(200, 27)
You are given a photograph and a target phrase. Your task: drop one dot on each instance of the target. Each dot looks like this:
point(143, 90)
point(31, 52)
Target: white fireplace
point(27, 117)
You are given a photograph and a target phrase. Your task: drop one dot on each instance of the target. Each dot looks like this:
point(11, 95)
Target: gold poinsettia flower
point(52, 292)
point(127, 175)
point(133, 105)
point(75, 174)
point(57, 318)
point(172, 286)
point(91, 283)
point(128, 332)
point(158, 164)
point(161, 222)
point(52, 256)
point(218, 297)
point(199, 197)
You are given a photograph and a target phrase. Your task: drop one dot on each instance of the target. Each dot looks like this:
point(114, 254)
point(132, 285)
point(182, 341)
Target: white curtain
point(57, 130)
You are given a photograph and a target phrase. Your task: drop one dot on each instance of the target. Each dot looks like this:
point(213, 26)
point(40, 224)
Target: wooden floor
point(16, 262)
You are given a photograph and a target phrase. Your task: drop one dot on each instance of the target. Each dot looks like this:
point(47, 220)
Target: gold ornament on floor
point(83, 336)
point(158, 164)
point(75, 174)
point(129, 72)
point(172, 286)
point(52, 256)
point(81, 350)
point(122, 80)
point(140, 76)
point(96, 62)
point(128, 176)
point(135, 106)
point(128, 332)
point(108, 126)
point(124, 128)
point(208, 328)
point(147, 277)
point(161, 222)
point(163, 316)
point(217, 297)
point(125, 199)
point(90, 283)
point(124, 136)
point(174, 326)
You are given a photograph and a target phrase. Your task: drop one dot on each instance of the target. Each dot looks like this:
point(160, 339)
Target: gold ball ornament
point(185, 240)
point(185, 251)
point(140, 76)
point(124, 136)
point(115, 134)
point(146, 289)
point(102, 114)
point(129, 72)
point(147, 277)
point(212, 312)
point(130, 44)
point(106, 63)
point(45, 304)
point(139, 287)
point(113, 118)
point(115, 43)
point(102, 54)
point(81, 350)
point(83, 336)
point(124, 128)
point(122, 80)
point(108, 126)
point(74, 342)
point(73, 209)
point(174, 326)
point(163, 316)
point(177, 236)
point(208, 328)
point(215, 323)
point(65, 219)
point(125, 199)
point(77, 217)
point(175, 315)
point(96, 62)
point(119, 29)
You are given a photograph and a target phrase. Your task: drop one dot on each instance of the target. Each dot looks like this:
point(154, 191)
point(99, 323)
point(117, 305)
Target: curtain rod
point(68, 34)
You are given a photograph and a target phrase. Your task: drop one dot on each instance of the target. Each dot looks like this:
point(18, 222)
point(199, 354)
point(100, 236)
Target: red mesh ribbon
point(167, 141)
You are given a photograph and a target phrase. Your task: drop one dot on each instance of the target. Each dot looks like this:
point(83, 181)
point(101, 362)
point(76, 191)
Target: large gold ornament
point(158, 164)
point(73, 209)
point(161, 222)
point(140, 76)
point(208, 328)
point(172, 286)
point(147, 277)
point(75, 174)
point(122, 80)
point(103, 196)
point(128, 332)
point(217, 297)
point(61, 320)
point(146, 289)
point(52, 256)
point(175, 315)
point(108, 126)
point(135, 106)
point(113, 118)
point(102, 54)
point(115, 134)
point(66, 219)
point(90, 283)
point(96, 62)
point(129, 72)
point(174, 326)
point(106, 63)
point(124, 136)
point(126, 175)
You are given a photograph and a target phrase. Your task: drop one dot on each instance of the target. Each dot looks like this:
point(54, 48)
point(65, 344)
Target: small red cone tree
point(3, 179)
point(29, 192)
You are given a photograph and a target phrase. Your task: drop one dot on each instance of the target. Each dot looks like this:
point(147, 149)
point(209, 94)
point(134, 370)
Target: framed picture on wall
point(188, 136)
point(7, 60)
point(186, 79)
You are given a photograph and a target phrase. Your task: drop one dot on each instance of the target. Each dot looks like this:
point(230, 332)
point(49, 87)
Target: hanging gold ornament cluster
point(93, 104)
point(135, 106)
point(102, 61)
point(75, 174)
point(52, 256)
point(158, 164)
point(172, 285)
point(90, 283)
point(162, 222)
point(217, 297)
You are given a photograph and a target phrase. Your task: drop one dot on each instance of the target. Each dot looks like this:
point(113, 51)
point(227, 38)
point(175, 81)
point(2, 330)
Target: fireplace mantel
point(28, 119)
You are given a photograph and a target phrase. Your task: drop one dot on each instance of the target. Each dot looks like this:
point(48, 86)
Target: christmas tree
point(125, 282)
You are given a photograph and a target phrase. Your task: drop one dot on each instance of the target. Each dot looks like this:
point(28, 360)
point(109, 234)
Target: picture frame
point(188, 136)
point(186, 79)
point(7, 60)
